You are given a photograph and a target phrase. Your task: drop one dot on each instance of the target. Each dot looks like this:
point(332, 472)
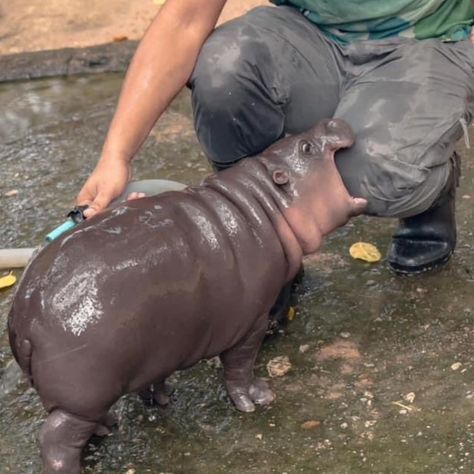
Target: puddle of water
point(375, 378)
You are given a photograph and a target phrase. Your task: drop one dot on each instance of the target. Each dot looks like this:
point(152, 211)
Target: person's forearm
point(159, 70)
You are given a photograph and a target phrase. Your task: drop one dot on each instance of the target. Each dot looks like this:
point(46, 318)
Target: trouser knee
point(237, 112)
point(392, 188)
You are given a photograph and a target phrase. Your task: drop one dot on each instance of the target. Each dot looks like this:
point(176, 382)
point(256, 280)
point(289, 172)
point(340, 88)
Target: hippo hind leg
point(244, 389)
point(62, 438)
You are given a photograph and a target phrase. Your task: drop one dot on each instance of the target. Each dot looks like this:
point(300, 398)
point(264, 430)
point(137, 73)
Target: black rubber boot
point(284, 308)
point(426, 241)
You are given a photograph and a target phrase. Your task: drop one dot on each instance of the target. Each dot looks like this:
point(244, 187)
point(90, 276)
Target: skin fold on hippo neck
point(249, 184)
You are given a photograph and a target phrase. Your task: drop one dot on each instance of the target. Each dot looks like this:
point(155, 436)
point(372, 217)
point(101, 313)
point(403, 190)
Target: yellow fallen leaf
point(8, 280)
point(365, 251)
point(291, 313)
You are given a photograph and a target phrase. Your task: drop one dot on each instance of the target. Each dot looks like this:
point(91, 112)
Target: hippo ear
point(280, 176)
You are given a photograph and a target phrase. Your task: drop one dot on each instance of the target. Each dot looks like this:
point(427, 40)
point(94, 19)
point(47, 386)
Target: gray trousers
point(272, 72)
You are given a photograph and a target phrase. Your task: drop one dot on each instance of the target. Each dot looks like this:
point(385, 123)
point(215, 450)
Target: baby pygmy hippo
point(159, 283)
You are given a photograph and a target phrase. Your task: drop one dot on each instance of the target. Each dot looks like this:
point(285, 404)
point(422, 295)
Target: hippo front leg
point(243, 387)
point(157, 394)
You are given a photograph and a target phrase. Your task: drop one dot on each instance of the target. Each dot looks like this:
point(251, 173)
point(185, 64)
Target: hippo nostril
point(337, 124)
point(341, 131)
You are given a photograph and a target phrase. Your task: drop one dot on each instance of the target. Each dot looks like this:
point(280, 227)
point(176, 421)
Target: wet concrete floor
point(382, 376)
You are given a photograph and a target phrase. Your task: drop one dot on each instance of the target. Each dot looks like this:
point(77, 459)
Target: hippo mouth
point(340, 135)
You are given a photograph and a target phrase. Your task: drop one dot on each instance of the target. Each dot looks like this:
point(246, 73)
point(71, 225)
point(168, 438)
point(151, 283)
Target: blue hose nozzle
point(74, 217)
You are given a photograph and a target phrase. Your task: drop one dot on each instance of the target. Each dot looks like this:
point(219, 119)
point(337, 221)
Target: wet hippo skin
point(159, 283)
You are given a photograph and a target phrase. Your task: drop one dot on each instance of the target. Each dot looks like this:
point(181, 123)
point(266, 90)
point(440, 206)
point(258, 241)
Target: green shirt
point(353, 20)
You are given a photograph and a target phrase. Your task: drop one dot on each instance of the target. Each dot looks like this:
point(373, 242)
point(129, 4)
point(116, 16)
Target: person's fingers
point(135, 195)
point(84, 197)
point(106, 183)
point(472, 35)
point(101, 201)
point(89, 212)
point(132, 196)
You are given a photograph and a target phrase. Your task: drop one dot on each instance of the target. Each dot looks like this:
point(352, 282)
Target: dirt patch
point(36, 25)
point(345, 350)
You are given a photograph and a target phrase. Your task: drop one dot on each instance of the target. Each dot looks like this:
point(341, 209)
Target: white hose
point(15, 258)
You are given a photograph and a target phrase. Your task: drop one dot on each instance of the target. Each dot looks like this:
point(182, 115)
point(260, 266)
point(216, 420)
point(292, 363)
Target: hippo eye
point(306, 147)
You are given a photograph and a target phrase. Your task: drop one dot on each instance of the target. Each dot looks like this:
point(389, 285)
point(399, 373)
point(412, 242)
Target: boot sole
point(419, 270)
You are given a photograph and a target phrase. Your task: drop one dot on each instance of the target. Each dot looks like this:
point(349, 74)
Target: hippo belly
point(167, 286)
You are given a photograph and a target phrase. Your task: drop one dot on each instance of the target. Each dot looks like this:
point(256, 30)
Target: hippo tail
point(22, 350)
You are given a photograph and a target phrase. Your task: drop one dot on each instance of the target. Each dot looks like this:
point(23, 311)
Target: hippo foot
point(261, 393)
point(107, 423)
point(157, 394)
point(245, 398)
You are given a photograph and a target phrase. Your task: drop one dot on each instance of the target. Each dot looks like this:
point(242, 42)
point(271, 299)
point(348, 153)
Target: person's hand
point(472, 35)
point(107, 182)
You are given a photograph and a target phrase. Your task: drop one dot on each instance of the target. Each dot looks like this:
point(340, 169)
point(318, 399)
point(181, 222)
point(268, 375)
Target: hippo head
point(303, 167)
